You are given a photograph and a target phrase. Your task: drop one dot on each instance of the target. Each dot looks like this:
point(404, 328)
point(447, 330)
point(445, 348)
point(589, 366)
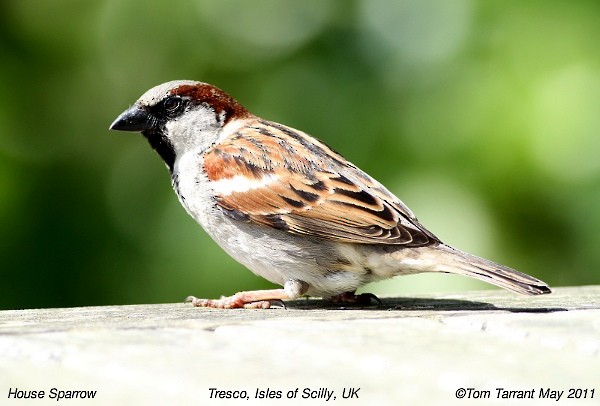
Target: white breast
point(247, 243)
point(275, 255)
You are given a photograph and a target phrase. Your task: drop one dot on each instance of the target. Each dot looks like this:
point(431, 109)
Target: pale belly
point(272, 254)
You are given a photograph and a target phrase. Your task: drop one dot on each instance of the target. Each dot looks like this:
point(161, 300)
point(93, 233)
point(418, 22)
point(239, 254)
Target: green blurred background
point(483, 116)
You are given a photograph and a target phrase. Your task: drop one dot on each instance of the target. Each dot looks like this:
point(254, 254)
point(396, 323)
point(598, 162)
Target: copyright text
point(534, 393)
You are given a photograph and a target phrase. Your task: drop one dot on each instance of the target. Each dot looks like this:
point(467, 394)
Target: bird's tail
point(443, 258)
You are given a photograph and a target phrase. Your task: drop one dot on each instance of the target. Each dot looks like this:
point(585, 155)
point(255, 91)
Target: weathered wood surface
point(409, 351)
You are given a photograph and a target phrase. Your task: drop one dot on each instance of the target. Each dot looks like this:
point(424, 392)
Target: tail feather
point(455, 261)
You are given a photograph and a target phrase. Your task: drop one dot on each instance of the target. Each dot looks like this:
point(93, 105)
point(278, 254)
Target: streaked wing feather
point(305, 188)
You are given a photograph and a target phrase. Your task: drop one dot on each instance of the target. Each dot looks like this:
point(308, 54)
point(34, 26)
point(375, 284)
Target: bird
point(287, 206)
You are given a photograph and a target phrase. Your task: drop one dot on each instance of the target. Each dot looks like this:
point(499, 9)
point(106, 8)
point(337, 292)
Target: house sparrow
point(287, 206)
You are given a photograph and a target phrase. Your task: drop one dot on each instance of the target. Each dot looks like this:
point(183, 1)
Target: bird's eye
point(172, 105)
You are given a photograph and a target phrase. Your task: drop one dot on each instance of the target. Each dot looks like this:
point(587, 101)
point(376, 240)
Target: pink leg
point(254, 299)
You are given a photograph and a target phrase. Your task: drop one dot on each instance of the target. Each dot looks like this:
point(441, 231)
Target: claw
point(353, 298)
point(368, 297)
point(278, 303)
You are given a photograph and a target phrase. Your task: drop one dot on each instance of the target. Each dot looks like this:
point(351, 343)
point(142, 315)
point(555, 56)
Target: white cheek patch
point(194, 130)
point(241, 184)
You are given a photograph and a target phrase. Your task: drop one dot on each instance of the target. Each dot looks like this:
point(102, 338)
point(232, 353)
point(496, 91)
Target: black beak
point(135, 118)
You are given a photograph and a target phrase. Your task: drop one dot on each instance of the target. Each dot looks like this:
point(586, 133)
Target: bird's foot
point(353, 298)
point(256, 299)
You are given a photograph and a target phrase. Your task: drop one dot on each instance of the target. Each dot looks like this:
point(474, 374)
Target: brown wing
point(270, 174)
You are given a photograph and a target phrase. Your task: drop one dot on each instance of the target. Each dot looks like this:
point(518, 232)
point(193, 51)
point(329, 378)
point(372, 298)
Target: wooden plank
point(411, 350)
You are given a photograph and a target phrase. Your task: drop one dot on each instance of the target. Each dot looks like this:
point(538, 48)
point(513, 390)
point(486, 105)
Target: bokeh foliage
point(483, 116)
